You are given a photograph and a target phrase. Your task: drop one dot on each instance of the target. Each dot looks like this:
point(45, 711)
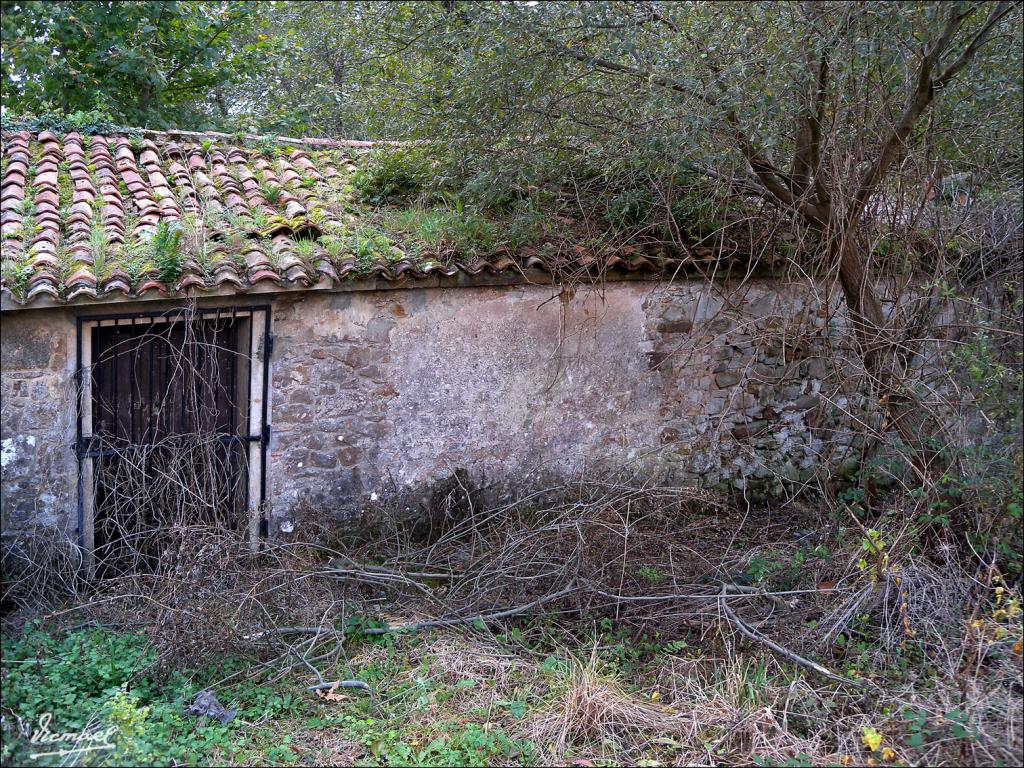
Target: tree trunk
point(903, 410)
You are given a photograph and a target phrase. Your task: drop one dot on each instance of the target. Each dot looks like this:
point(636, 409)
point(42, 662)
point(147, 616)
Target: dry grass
point(937, 637)
point(456, 657)
point(591, 715)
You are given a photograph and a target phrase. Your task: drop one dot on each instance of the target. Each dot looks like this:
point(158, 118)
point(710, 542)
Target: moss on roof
point(106, 216)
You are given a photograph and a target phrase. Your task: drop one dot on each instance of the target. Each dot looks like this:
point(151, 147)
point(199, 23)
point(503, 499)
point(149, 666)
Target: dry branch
point(756, 636)
point(486, 618)
point(341, 684)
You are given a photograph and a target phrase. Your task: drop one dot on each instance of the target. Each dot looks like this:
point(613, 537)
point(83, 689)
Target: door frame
point(260, 348)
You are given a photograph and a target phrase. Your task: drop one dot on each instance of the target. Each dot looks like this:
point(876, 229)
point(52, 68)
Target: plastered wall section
point(37, 427)
point(378, 393)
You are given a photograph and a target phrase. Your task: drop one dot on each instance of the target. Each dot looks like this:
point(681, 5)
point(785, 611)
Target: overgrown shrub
point(630, 208)
point(394, 174)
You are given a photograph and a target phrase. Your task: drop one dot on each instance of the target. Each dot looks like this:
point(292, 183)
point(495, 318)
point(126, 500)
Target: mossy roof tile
point(75, 209)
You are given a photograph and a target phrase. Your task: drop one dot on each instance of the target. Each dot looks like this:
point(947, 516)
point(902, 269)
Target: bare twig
point(342, 684)
point(756, 636)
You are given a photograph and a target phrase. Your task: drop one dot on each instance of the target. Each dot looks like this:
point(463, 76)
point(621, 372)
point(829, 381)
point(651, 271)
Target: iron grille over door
point(172, 430)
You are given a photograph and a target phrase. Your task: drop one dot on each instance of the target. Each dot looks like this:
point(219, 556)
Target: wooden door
point(170, 432)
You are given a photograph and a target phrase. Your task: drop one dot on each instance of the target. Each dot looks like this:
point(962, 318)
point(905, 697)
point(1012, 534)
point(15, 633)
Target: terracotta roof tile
point(77, 212)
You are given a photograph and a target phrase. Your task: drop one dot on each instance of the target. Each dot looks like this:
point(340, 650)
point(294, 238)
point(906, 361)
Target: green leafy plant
point(271, 192)
point(258, 219)
point(355, 625)
point(651, 574)
point(369, 246)
point(697, 214)
point(305, 250)
point(165, 249)
point(333, 244)
point(102, 74)
point(922, 729)
point(267, 146)
point(528, 223)
point(472, 234)
point(16, 277)
point(393, 174)
point(628, 209)
point(98, 247)
point(874, 547)
point(317, 217)
point(135, 260)
point(129, 718)
point(783, 571)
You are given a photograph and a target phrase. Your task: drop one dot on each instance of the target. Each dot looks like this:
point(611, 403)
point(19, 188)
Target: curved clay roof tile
point(124, 189)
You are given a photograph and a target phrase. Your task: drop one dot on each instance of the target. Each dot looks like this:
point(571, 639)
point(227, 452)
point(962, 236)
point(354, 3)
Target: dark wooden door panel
point(154, 380)
point(169, 434)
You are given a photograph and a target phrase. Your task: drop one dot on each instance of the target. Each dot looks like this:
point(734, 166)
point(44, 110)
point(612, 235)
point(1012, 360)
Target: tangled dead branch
point(758, 637)
point(209, 590)
point(653, 560)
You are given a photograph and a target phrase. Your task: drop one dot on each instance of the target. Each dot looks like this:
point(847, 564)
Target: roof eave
point(534, 276)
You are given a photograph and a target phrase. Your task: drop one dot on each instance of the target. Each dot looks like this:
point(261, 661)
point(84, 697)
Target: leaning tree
point(842, 116)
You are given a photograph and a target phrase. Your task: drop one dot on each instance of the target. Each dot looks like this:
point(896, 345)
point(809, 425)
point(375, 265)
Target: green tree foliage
point(640, 85)
point(823, 111)
point(152, 64)
point(337, 56)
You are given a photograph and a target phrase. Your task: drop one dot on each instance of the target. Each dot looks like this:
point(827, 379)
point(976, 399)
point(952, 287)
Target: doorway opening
point(172, 431)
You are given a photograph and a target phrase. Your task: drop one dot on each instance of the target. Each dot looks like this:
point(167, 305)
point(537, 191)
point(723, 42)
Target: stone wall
point(378, 393)
point(37, 423)
point(752, 395)
point(375, 393)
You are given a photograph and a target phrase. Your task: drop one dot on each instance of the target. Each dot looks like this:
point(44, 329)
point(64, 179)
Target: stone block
point(677, 326)
point(290, 413)
point(349, 456)
point(714, 406)
point(378, 329)
point(816, 368)
point(751, 429)
point(657, 360)
point(300, 396)
point(359, 356)
point(806, 402)
point(769, 372)
point(322, 459)
point(727, 379)
point(674, 314)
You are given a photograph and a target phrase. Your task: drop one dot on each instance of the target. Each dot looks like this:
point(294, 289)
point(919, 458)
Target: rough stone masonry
point(375, 393)
point(381, 392)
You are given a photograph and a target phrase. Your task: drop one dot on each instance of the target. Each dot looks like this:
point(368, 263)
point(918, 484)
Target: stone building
point(160, 286)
